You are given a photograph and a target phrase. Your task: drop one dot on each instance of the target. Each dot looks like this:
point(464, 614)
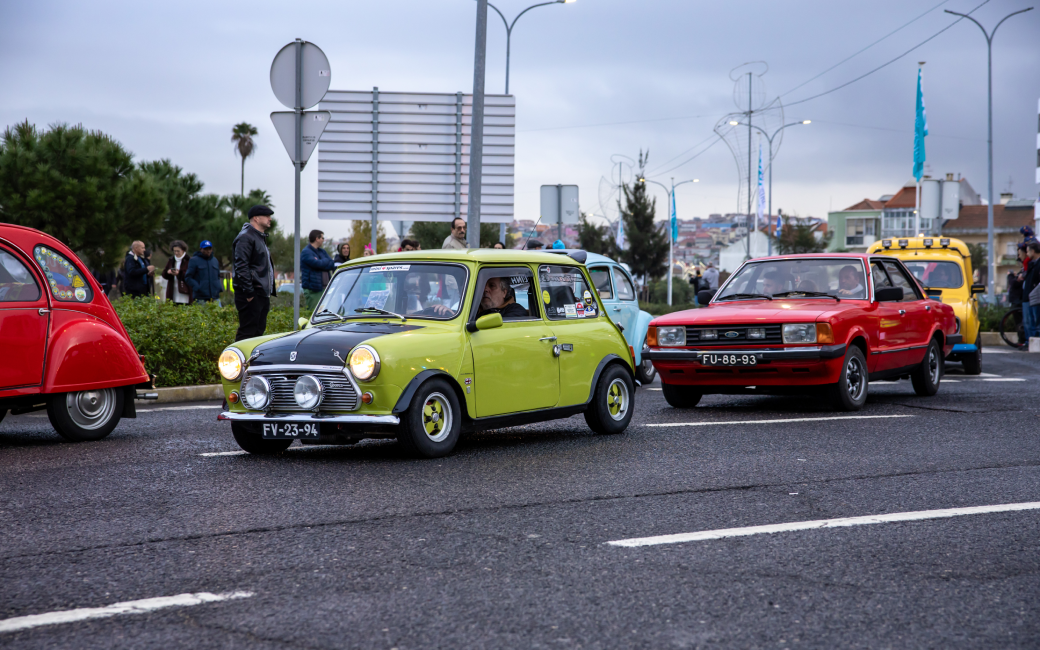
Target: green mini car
point(422, 346)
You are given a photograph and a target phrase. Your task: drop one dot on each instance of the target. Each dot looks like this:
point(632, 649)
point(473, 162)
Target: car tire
point(3, 412)
point(85, 415)
point(250, 439)
point(611, 407)
point(431, 426)
point(972, 363)
point(645, 372)
point(926, 377)
point(850, 393)
point(681, 397)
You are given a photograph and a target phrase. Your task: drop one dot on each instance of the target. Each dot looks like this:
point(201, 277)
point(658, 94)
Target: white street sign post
point(300, 77)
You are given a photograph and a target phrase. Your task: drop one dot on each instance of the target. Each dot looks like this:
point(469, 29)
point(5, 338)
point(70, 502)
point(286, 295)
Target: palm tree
point(242, 135)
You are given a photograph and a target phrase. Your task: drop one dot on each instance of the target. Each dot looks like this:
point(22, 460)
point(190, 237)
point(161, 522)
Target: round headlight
point(364, 362)
point(256, 394)
point(307, 391)
point(230, 364)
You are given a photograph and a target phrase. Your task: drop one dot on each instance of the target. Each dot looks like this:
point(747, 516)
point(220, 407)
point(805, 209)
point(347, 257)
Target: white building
point(732, 256)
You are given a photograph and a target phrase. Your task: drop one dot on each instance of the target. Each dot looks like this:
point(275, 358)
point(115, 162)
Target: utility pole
point(747, 217)
point(476, 147)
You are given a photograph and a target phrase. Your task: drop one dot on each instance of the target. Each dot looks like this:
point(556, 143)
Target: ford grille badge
point(732, 335)
point(292, 356)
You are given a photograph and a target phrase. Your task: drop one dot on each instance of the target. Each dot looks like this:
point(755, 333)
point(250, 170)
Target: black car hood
point(319, 346)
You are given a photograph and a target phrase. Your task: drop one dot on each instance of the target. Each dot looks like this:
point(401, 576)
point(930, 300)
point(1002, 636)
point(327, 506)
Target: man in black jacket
point(137, 271)
point(254, 274)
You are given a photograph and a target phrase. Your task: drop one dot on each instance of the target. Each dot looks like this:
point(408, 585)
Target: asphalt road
point(504, 543)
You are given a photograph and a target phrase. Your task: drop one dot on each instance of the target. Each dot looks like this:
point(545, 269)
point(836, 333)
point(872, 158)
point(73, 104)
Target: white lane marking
point(987, 374)
point(1005, 379)
point(950, 381)
point(224, 453)
point(986, 350)
point(840, 417)
point(653, 388)
point(822, 523)
point(181, 408)
point(129, 607)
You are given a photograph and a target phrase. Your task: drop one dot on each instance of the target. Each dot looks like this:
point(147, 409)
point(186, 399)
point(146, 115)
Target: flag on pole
point(620, 241)
point(920, 130)
point(674, 223)
point(761, 191)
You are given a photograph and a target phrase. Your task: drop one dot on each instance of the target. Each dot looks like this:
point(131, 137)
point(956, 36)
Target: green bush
point(181, 343)
point(661, 308)
point(682, 292)
point(989, 317)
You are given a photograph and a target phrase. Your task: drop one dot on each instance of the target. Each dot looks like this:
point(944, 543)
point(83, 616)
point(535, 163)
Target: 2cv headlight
point(230, 364)
point(364, 362)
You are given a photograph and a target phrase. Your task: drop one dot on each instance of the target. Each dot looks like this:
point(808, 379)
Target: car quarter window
point(508, 291)
point(65, 281)
point(878, 276)
point(16, 280)
point(900, 278)
point(565, 293)
point(601, 279)
point(625, 291)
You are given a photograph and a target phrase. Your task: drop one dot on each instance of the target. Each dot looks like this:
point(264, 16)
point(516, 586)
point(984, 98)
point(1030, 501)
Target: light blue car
point(618, 293)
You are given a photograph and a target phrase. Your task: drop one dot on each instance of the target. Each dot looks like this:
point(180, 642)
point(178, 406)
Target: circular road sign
point(316, 76)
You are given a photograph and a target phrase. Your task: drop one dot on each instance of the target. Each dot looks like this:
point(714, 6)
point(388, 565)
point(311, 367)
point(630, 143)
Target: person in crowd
point(559, 245)
point(254, 273)
point(315, 268)
point(1014, 280)
point(107, 279)
point(203, 274)
point(500, 298)
point(368, 252)
point(849, 282)
point(1031, 301)
point(137, 271)
point(177, 289)
point(342, 253)
point(535, 245)
point(409, 245)
point(499, 245)
point(711, 277)
point(457, 237)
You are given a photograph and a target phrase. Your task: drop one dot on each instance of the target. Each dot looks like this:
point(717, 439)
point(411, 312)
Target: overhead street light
point(671, 242)
point(509, 27)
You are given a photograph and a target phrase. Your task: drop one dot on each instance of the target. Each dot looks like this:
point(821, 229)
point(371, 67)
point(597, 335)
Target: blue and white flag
point(675, 224)
point(620, 241)
point(761, 190)
point(779, 225)
point(920, 130)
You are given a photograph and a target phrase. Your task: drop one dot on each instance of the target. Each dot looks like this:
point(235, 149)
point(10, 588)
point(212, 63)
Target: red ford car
point(787, 324)
point(62, 346)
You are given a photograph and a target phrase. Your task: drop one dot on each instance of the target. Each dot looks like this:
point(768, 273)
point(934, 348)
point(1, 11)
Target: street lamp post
point(509, 27)
point(671, 242)
point(991, 275)
point(769, 138)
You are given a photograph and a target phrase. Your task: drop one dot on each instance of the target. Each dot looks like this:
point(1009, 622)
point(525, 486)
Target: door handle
point(547, 338)
point(44, 312)
point(617, 309)
point(902, 312)
point(928, 308)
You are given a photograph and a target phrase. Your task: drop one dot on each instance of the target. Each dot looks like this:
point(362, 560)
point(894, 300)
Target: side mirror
point(889, 294)
point(704, 296)
point(978, 288)
point(489, 321)
point(302, 322)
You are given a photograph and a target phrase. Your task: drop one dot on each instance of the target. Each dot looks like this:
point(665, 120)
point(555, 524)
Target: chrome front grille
point(338, 391)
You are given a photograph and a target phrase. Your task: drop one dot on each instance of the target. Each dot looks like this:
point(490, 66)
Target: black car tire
point(972, 362)
point(926, 377)
point(611, 407)
point(85, 415)
point(850, 393)
point(645, 372)
point(250, 439)
point(3, 412)
point(681, 397)
point(431, 426)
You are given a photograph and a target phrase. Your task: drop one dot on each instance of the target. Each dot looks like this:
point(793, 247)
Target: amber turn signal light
point(824, 335)
point(367, 398)
point(651, 336)
point(233, 397)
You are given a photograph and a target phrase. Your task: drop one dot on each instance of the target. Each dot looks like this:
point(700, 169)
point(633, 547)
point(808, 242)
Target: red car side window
point(16, 281)
point(65, 281)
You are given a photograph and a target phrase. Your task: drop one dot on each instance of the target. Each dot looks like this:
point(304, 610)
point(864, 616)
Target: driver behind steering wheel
point(500, 298)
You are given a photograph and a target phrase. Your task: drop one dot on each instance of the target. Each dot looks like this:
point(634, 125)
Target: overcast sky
point(591, 79)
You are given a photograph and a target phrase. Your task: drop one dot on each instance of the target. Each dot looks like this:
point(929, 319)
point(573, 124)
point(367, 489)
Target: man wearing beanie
point(254, 274)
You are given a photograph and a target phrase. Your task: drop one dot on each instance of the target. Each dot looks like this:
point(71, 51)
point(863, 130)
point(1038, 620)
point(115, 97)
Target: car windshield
point(936, 275)
point(431, 291)
point(806, 277)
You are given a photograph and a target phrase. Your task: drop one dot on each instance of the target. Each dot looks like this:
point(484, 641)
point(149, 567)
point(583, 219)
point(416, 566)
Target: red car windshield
point(799, 278)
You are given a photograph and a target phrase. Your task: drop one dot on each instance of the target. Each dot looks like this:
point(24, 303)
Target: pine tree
point(596, 239)
point(646, 251)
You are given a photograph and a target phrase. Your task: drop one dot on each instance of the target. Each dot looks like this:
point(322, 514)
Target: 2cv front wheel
point(85, 415)
point(432, 424)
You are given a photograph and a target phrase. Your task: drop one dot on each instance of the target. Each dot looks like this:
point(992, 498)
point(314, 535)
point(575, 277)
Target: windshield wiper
point(807, 293)
point(746, 295)
point(376, 310)
point(326, 312)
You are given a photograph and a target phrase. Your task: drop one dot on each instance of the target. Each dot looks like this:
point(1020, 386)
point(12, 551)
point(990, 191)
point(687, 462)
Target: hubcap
point(648, 367)
point(617, 399)
point(854, 379)
point(437, 417)
point(91, 409)
point(933, 365)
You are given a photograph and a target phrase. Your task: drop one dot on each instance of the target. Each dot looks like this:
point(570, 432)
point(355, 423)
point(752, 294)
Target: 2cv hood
point(322, 345)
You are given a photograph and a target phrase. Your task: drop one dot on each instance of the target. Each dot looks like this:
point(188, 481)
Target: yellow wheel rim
point(617, 399)
point(436, 417)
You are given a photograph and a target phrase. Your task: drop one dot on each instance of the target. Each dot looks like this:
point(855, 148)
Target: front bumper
point(260, 418)
point(802, 353)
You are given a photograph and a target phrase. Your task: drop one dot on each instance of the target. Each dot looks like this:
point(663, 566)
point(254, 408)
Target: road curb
point(187, 393)
point(992, 339)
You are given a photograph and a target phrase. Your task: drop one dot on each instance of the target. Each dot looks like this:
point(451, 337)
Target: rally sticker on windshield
point(570, 311)
point(587, 297)
point(545, 296)
point(377, 299)
point(389, 267)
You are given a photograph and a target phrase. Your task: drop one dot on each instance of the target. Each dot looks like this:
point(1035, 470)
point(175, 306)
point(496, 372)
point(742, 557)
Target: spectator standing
point(535, 245)
point(457, 238)
point(177, 290)
point(368, 252)
point(342, 253)
point(315, 268)
point(137, 271)
point(1031, 291)
point(203, 274)
point(409, 245)
point(499, 245)
point(1014, 280)
point(254, 273)
point(711, 277)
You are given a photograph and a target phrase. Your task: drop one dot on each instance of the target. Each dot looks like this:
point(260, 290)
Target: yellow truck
point(943, 267)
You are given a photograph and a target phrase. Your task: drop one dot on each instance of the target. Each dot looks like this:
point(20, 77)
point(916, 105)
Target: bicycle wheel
point(1011, 329)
